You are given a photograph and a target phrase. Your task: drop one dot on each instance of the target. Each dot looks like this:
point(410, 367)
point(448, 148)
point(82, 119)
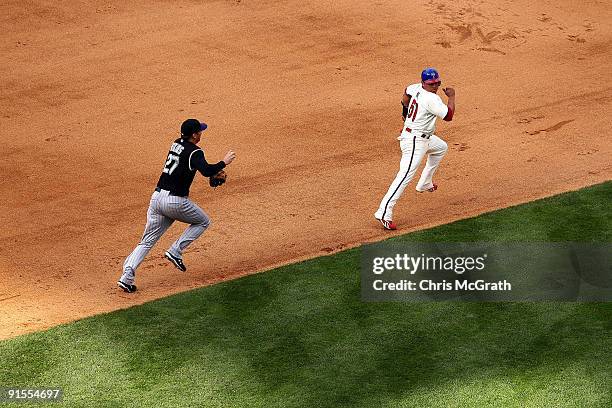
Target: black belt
point(158, 189)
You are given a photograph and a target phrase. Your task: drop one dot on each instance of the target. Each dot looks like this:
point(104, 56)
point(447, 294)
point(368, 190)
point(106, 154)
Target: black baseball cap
point(191, 126)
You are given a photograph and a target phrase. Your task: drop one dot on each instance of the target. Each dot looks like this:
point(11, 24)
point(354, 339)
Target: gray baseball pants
point(164, 209)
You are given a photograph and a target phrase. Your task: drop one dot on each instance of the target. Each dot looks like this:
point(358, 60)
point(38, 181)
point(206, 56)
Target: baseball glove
point(217, 179)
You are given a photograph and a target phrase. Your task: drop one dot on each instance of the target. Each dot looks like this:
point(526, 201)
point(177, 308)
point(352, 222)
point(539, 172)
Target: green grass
point(299, 336)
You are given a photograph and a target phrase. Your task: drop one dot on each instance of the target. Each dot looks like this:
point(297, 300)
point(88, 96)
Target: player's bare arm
point(450, 92)
point(405, 102)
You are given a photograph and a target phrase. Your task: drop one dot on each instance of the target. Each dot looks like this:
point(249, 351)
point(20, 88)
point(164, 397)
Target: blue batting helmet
point(430, 76)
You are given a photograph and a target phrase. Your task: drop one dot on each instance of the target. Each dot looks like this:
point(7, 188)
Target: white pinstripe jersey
point(423, 108)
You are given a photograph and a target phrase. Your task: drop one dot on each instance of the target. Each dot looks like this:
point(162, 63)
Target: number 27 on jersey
point(171, 163)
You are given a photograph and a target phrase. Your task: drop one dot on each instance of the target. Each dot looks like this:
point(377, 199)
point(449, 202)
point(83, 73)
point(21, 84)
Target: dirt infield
point(307, 93)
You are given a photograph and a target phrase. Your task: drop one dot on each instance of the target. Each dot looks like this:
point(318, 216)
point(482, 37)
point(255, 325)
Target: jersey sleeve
point(437, 107)
point(198, 162)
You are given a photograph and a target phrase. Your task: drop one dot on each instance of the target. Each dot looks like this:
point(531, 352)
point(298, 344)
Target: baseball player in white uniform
point(420, 107)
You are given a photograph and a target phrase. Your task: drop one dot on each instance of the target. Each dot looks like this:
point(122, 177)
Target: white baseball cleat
point(388, 224)
point(431, 189)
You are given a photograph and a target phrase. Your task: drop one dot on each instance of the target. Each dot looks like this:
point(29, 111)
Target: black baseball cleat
point(178, 262)
point(127, 288)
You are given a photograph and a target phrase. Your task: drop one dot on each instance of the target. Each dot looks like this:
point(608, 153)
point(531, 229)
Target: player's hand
point(229, 157)
point(449, 92)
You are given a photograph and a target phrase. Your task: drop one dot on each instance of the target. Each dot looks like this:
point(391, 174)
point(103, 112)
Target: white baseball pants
point(413, 151)
point(164, 209)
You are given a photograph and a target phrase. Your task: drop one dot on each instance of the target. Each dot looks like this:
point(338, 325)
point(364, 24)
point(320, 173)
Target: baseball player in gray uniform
point(170, 201)
point(420, 107)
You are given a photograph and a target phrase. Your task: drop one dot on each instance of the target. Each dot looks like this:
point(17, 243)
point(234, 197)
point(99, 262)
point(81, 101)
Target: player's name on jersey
point(177, 148)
